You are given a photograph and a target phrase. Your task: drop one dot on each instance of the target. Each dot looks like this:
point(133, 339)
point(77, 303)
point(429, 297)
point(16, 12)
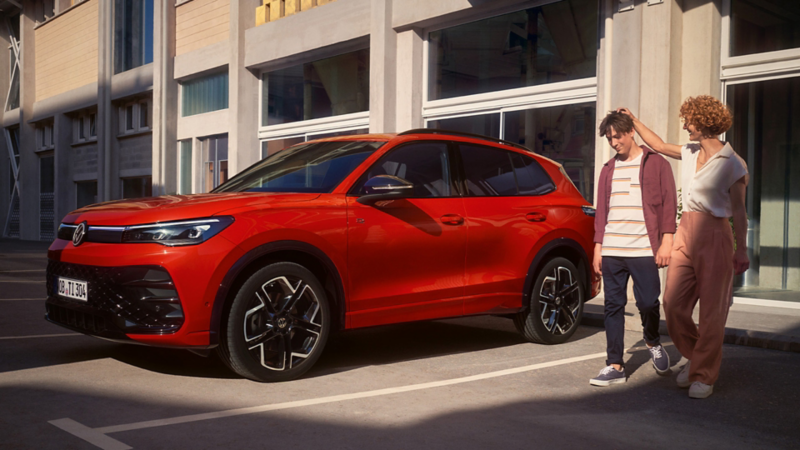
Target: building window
point(205, 94)
point(84, 127)
point(87, 193)
point(759, 26)
point(134, 117)
point(47, 187)
point(268, 147)
point(324, 88)
point(185, 164)
point(215, 151)
point(44, 9)
point(547, 44)
point(44, 136)
point(137, 187)
point(12, 101)
point(133, 34)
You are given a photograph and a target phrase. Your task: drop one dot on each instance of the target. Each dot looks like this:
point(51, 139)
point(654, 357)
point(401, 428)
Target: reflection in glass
point(186, 166)
point(484, 124)
point(324, 88)
point(137, 187)
point(547, 44)
point(562, 133)
point(87, 193)
point(759, 26)
point(216, 162)
point(205, 94)
point(766, 134)
point(133, 34)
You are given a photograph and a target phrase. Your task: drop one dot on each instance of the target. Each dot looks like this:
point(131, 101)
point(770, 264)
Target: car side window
point(492, 171)
point(425, 164)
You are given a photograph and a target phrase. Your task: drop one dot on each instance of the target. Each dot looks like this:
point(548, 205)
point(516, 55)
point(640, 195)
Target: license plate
point(68, 287)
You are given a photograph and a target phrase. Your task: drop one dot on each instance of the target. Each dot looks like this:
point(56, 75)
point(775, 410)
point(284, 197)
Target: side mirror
point(385, 187)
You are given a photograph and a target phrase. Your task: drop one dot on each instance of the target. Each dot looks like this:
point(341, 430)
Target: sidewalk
point(752, 323)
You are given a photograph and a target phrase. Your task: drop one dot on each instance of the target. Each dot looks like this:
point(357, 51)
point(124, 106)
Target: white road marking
point(28, 270)
point(300, 403)
point(40, 336)
point(89, 435)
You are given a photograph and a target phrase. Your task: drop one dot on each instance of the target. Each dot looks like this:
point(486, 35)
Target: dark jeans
point(646, 289)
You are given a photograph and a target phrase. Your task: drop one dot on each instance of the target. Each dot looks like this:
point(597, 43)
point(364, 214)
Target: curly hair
point(707, 114)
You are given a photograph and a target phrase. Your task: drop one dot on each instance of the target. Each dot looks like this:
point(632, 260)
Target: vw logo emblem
point(282, 322)
point(80, 234)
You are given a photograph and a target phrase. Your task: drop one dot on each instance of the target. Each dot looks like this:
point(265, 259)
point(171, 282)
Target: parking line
point(39, 336)
point(94, 433)
point(89, 435)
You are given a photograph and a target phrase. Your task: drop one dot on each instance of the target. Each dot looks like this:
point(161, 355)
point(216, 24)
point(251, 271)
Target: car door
point(406, 256)
point(507, 212)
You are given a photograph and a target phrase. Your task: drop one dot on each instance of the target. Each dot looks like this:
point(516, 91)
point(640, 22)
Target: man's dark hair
point(622, 123)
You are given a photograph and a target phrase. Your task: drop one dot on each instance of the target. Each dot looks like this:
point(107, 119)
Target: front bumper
point(121, 300)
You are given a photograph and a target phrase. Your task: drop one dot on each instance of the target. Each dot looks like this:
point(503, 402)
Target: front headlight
point(185, 232)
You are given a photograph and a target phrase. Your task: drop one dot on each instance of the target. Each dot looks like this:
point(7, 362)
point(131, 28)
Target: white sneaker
point(700, 390)
point(683, 377)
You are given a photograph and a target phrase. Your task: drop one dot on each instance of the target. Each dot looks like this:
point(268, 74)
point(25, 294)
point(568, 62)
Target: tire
point(556, 305)
point(277, 325)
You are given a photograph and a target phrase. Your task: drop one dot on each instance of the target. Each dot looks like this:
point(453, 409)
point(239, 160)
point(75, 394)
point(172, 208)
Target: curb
point(735, 336)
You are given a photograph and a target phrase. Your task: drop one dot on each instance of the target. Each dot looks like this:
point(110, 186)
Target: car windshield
point(314, 168)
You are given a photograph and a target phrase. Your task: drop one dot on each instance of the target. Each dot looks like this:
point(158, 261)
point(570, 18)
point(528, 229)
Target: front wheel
point(556, 305)
point(277, 325)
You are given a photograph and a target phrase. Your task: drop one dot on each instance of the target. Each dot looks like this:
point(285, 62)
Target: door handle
point(535, 217)
point(452, 219)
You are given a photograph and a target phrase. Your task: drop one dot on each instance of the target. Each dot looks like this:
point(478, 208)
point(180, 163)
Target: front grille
point(88, 323)
point(128, 300)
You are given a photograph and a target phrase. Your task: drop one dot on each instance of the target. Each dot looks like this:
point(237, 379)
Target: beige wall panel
point(200, 23)
point(66, 51)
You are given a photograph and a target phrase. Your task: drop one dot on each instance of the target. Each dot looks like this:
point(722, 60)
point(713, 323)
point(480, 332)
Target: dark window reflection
point(562, 133)
point(759, 26)
point(324, 88)
point(137, 187)
point(547, 44)
point(484, 124)
point(133, 34)
point(766, 134)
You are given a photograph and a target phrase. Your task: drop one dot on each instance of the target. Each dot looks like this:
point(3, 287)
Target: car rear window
point(490, 171)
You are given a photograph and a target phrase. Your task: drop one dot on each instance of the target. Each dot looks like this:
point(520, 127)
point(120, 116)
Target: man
point(633, 229)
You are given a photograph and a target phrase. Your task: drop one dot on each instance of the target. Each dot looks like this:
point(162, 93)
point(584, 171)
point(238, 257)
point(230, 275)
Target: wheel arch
point(559, 247)
point(302, 253)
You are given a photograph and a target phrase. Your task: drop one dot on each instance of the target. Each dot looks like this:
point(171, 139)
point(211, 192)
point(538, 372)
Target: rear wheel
point(556, 305)
point(277, 325)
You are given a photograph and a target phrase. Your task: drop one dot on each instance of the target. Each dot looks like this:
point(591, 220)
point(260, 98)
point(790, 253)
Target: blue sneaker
point(609, 376)
point(660, 359)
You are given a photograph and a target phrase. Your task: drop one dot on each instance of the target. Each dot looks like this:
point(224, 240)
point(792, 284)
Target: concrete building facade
point(110, 99)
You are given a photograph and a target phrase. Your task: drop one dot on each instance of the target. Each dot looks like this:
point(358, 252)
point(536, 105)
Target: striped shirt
point(626, 233)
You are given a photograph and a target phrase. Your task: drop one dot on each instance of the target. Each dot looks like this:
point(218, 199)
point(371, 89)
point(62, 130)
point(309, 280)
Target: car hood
point(176, 207)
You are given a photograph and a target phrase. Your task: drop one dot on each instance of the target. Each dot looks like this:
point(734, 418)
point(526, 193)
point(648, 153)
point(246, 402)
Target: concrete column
point(165, 101)
point(409, 82)
point(105, 111)
point(29, 161)
point(660, 76)
point(701, 49)
point(382, 68)
point(243, 101)
point(66, 193)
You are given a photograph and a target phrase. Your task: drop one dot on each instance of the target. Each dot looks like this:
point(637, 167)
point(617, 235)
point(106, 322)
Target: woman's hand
point(627, 112)
point(740, 261)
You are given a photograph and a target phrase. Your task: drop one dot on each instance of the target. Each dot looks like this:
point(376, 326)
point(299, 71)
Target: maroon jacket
point(659, 197)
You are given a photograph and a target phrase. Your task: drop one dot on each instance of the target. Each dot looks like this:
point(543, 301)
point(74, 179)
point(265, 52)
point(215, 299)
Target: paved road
point(461, 383)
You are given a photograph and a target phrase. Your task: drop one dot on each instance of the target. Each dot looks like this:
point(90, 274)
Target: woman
point(703, 261)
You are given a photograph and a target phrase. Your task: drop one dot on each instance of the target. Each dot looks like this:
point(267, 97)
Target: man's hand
point(627, 112)
point(740, 261)
point(664, 251)
point(597, 260)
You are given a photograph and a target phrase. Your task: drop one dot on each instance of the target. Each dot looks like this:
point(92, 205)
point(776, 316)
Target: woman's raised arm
point(652, 139)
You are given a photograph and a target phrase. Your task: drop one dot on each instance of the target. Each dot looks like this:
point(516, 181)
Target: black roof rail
point(461, 133)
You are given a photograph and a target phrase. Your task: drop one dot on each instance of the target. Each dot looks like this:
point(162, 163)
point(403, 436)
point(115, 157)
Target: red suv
point(333, 234)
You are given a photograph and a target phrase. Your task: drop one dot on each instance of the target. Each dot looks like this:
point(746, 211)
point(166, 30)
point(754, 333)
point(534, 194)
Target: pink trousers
point(700, 268)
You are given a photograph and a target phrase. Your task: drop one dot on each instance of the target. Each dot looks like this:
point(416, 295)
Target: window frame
point(82, 129)
point(754, 67)
point(463, 171)
point(453, 167)
point(135, 117)
point(45, 135)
